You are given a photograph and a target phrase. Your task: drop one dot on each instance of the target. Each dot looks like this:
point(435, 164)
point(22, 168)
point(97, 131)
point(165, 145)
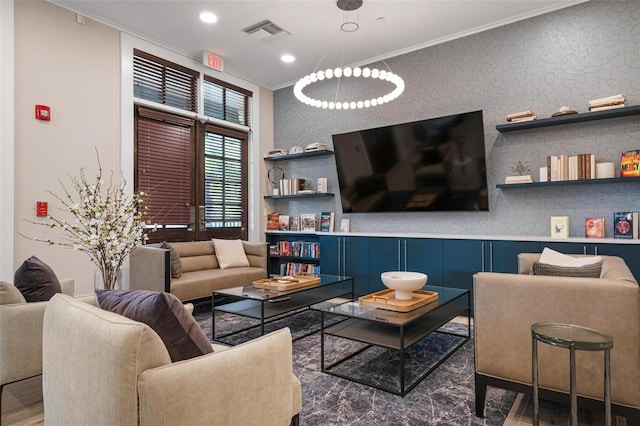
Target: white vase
point(98, 282)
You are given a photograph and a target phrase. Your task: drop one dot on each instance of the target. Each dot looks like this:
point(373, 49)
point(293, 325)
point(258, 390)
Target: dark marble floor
point(445, 397)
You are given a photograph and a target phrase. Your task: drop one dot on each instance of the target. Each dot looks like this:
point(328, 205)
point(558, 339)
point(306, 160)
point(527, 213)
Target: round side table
point(575, 338)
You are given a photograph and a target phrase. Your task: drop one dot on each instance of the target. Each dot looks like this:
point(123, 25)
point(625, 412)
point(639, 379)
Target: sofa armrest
point(21, 340)
point(256, 374)
point(150, 269)
point(506, 305)
point(256, 252)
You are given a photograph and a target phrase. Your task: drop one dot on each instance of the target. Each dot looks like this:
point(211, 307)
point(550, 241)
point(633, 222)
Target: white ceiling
point(387, 28)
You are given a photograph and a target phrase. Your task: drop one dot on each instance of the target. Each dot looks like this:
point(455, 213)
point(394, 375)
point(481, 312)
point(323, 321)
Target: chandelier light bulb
point(337, 72)
point(320, 75)
point(329, 73)
point(325, 104)
point(366, 73)
point(347, 72)
point(375, 73)
point(357, 72)
point(345, 105)
point(367, 103)
point(332, 105)
point(360, 104)
point(313, 77)
point(338, 105)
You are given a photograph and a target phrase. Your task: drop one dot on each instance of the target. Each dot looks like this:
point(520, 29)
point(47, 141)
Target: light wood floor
point(22, 403)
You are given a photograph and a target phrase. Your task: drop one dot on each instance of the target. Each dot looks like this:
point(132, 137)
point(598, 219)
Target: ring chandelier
point(356, 72)
point(348, 72)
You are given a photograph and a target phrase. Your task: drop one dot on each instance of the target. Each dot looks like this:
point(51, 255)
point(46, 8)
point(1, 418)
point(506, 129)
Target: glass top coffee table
point(272, 305)
point(392, 342)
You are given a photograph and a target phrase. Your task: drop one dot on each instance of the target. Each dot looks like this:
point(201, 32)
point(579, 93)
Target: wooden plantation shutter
point(225, 101)
point(163, 165)
point(225, 178)
point(164, 82)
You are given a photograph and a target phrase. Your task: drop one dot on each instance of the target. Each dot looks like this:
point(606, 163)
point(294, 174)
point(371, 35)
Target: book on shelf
point(283, 223)
point(294, 268)
point(571, 167)
point(310, 249)
point(273, 221)
point(594, 227)
point(519, 115)
point(327, 221)
point(625, 225)
point(630, 163)
point(523, 119)
point(273, 250)
point(308, 222)
point(294, 223)
point(518, 179)
point(606, 107)
point(559, 226)
point(345, 225)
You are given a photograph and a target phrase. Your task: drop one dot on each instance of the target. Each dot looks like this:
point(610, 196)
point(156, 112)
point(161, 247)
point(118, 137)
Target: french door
point(194, 176)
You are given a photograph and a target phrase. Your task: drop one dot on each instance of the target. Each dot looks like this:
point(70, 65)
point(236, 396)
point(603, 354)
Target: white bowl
point(403, 282)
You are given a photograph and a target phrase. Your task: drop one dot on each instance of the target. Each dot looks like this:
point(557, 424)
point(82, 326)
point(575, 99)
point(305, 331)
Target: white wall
point(75, 70)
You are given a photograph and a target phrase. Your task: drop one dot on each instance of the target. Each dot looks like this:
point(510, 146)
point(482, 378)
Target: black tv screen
point(430, 165)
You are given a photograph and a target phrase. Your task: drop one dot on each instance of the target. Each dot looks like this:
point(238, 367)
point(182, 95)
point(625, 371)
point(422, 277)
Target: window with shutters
point(224, 174)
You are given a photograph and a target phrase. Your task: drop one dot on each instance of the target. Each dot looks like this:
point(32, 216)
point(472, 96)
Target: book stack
point(571, 167)
point(518, 179)
point(610, 102)
point(519, 117)
point(277, 152)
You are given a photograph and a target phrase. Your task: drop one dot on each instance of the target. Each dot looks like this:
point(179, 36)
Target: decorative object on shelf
point(316, 146)
point(283, 223)
point(518, 117)
point(274, 176)
point(347, 27)
point(610, 102)
point(522, 173)
point(327, 220)
point(544, 174)
point(559, 226)
point(107, 224)
point(345, 225)
point(273, 221)
point(322, 185)
point(404, 283)
point(564, 110)
point(605, 170)
point(625, 225)
point(594, 227)
point(630, 163)
point(277, 152)
point(308, 222)
point(294, 223)
point(296, 149)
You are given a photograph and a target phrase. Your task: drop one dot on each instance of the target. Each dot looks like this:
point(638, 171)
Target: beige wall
point(75, 70)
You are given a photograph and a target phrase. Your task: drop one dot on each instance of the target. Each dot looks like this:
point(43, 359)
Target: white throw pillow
point(230, 253)
point(552, 257)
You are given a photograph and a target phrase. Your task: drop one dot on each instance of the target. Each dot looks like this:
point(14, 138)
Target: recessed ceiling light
point(208, 17)
point(287, 58)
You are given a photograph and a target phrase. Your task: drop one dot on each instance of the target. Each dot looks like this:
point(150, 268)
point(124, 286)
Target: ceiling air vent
point(265, 30)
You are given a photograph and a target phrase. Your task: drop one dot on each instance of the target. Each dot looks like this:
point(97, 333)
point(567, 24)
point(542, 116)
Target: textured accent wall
point(566, 57)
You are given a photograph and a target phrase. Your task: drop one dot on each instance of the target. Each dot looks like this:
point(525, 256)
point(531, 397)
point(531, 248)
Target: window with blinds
point(224, 175)
point(164, 82)
point(225, 101)
point(163, 166)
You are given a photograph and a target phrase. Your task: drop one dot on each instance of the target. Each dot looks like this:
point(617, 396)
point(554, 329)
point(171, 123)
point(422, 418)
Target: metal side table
point(575, 338)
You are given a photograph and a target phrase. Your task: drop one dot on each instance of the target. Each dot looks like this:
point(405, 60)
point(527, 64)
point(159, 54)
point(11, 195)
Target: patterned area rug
point(445, 397)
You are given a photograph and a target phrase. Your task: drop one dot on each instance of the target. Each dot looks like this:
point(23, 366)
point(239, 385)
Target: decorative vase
point(116, 280)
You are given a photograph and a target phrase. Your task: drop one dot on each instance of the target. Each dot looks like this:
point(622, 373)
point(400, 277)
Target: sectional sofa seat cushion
point(36, 280)
point(230, 253)
point(165, 314)
point(9, 294)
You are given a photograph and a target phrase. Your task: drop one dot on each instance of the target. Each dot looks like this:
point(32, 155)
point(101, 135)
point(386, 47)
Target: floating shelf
point(300, 155)
point(571, 118)
point(317, 194)
point(571, 182)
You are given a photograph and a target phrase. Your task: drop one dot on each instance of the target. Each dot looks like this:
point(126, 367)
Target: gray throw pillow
point(36, 280)
point(165, 314)
point(586, 271)
point(174, 260)
point(9, 294)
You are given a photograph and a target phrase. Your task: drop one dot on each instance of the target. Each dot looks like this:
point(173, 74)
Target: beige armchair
point(21, 338)
point(506, 305)
point(101, 368)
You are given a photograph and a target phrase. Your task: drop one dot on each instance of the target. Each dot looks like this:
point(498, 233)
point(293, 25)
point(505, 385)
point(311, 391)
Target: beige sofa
point(506, 305)
point(101, 368)
point(21, 338)
point(201, 274)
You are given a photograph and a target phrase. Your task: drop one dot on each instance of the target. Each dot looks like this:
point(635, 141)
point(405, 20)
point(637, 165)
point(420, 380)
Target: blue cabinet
point(503, 255)
point(346, 256)
point(404, 254)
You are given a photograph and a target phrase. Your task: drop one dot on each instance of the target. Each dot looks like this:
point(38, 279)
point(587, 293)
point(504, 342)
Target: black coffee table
point(271, 305)
point(397, 331)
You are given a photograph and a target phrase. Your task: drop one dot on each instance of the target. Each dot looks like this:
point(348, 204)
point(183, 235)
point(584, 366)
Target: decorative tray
point(290, 282)
point(386, 299)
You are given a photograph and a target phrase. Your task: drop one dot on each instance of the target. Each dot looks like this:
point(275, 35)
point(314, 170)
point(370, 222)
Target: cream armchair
point(21, 338)
point(100, 368)
point(506, 305)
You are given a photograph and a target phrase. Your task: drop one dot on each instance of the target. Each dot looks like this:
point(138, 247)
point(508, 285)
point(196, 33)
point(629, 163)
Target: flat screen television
point(436, 164)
